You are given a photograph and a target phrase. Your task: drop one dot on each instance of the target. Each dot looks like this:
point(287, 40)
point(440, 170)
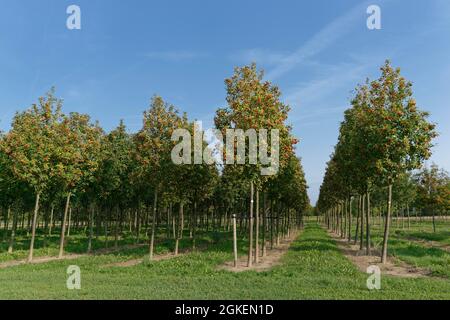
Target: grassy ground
point(312, 269)
point(403, 246)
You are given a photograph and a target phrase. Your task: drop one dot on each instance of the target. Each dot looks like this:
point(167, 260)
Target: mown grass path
point(313, 268)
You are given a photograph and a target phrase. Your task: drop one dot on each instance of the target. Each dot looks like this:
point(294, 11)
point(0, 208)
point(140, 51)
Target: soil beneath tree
point(45, 259)
point(429, 243)
point(392, 267)
point(273, 258)
point(157, 257)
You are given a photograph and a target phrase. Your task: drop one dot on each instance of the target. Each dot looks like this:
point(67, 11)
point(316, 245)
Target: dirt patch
point(134, 262)
point(46, 259)
point(392, 267)
point(272, 258)
point(429, 243)
point(158, 257)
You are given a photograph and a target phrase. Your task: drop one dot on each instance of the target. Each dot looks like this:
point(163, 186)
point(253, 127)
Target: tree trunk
point(368, 225)
point(33, 227)
point(194, 225)
point(152, 238)
point(235, 241)
point(116, 229)
point(180, 229)
point(250, 227)
point(358, 215)
point(386, 226)
point(63, 226)
point(69, 222)
point(409, 216)
point(13, 232)
point(434, 220)
point(91, 228)
point(350, 217)
point(264, 226)
point(6, 223)
point(257, 228)
point(51, 221)
point(363, 209)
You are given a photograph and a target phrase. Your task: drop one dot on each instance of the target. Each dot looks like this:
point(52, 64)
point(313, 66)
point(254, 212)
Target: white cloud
point(320, 41)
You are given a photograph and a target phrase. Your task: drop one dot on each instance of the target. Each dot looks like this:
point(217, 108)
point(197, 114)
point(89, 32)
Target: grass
point(402, 247)
point(313, 268)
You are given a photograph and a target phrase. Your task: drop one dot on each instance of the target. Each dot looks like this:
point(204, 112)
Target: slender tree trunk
point(116, 228)
point(250, 227)
point(6, 223)
point(194, 224)
point(271, 224)
point(257, 228)
point(69, 222)
point(51, 221)
point(264, 245)
point(409, 216)
point(13, 232)
point(138, 223)
point(33, 227)
point(368, 225)
point(434, 220)
point(235, 241)
point(152, 238)
point(363, 209)
point(180, 229)
point(91, 228)
point(350, 217)
point(63, 226)
point(358, 215)
point(386, 226)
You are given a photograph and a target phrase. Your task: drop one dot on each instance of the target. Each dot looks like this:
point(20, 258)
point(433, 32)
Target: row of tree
point(62, 170)
point(383, 137)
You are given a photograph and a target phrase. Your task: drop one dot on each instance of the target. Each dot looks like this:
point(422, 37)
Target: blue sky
point(315, 51)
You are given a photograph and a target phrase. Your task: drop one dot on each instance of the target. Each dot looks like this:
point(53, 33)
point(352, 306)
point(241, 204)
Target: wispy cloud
point(335, 77)
point(320, 41)
point(175, 56)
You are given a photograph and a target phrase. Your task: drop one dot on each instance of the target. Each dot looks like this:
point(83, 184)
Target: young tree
point(77, 158)
point(32, 147)
point(255, 104)
point(154, 145)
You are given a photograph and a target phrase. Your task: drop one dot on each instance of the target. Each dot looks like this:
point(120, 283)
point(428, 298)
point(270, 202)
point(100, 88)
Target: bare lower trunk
point(386, 226)
point(257, 228)
point(69, 222)
point(409, 216)
point(235, 241)
point(152, 238)
point(51, 221)
point(33, 227)
point(434, 221)
point(91, 229)
point(13, 232)
point(63, 226)
point(264, 226)
point(350, 217)
point(368, 225)
point(358, 215)
point(250, 240)
point(180, 229)
point(361, 239)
